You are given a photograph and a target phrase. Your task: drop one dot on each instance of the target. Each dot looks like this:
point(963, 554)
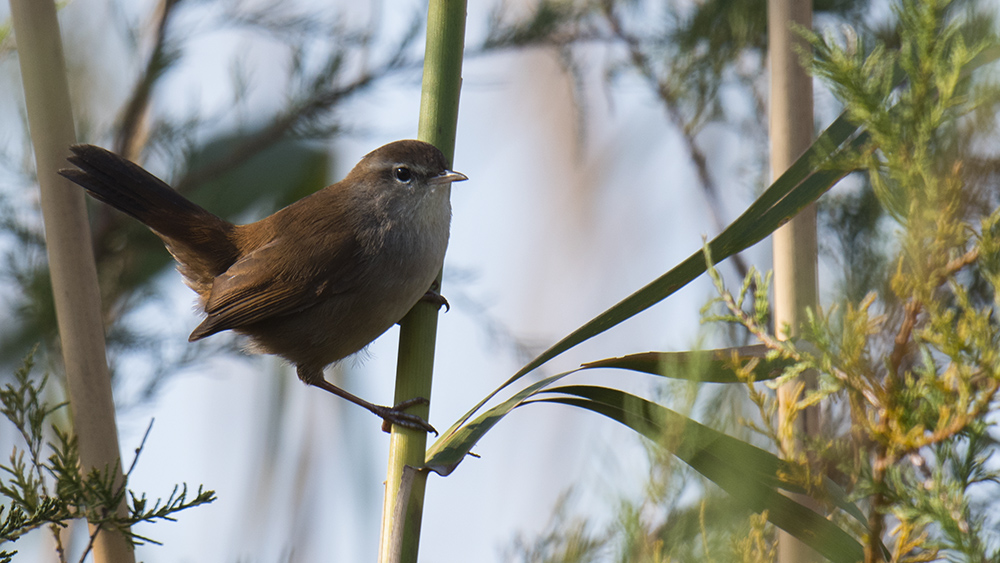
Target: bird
point(316, 281)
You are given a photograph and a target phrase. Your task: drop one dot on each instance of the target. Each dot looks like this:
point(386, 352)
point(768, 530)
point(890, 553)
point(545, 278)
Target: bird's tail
point(199, 240)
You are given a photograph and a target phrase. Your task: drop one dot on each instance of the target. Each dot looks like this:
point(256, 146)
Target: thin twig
point(883, 458)
point(914, 306)
point(127, 141)
point(121, 489)
point(90, 543)
point(138, 450)
point(902, 340)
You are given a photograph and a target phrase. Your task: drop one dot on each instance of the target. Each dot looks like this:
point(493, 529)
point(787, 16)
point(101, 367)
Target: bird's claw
point(396, 415)
point(435, 298)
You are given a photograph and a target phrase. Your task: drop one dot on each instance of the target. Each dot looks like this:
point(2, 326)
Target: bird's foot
point(434, 298)
point(389, 415)
point(396, 415)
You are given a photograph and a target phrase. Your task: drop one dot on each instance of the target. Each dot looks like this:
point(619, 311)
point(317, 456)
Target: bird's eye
point(402, 174)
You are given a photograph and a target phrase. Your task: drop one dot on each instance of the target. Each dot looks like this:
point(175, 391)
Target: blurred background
point(603, 141)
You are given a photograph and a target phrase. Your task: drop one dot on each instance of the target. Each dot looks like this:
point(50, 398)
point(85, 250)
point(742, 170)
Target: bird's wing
point(282, 277)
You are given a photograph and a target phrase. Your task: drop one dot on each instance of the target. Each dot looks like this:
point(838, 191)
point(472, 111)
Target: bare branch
point(128, 142)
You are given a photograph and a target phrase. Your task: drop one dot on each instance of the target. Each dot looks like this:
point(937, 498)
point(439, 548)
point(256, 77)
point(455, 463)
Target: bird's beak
point(447, 177)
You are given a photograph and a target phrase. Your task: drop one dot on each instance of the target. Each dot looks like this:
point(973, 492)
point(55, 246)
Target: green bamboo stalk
point(71, 259)
point(794, 244)
point(404, 488)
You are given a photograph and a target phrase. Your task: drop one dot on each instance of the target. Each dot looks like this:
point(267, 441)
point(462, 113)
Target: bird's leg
point(390, 415)
point(434, 298)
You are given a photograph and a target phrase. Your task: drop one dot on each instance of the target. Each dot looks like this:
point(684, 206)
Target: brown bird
point(316, 281)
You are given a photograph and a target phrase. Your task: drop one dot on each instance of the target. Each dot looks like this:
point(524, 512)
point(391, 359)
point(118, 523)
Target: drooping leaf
point(447, 452)
point(749, 474)
point(709, 366)
point(801, 184)
point(809, 177)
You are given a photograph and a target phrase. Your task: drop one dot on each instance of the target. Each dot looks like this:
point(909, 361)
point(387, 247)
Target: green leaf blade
point(750, 475)
point(703, 366)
